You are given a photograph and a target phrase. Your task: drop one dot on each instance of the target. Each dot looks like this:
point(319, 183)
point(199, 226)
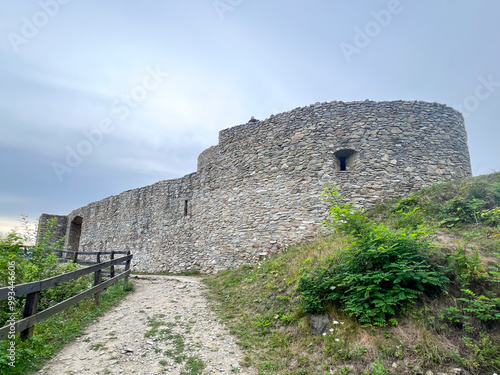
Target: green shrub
point(481, 307)
point(492, 217)
point(486, 354)
point(472, 307)
point(464, 209)
point(468, 268)
point(379, 274)
point(37, 263)
point(378, 368)
point(456, 203)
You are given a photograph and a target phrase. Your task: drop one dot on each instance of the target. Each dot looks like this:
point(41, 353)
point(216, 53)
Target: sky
point(99, 97)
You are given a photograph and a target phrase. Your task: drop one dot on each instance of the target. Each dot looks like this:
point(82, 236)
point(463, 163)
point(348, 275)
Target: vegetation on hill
point(410, 286)
point(20, 264)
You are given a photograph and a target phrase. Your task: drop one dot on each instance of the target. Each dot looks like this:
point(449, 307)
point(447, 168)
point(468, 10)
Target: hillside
point(410, 287)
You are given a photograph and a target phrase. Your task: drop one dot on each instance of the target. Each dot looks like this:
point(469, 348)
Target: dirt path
point(186, 335)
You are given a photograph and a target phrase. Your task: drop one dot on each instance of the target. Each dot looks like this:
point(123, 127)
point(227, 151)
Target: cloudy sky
point(98, 97)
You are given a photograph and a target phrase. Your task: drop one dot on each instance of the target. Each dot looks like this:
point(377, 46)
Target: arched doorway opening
point(75, 232)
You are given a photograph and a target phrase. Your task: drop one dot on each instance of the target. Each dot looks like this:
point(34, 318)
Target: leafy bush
point(464, 209)
point(35, 263)
point(486, 354)
point(481, 307)
point(378, 275)
point(468, 268)
point(470, 308)
point(378, 368)
point(492, 217)
point(451, 204)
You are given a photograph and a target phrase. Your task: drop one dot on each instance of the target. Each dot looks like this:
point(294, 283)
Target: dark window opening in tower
point(343, 163)
point(185, 207)
point(345, 159)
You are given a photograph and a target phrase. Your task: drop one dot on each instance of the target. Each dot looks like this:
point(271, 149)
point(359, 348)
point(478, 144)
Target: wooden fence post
point(97, 280)
point(112, 268)
point(30, 309)
point(127, 266)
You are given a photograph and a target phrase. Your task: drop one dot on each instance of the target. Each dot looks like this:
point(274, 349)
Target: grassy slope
point(261, 306)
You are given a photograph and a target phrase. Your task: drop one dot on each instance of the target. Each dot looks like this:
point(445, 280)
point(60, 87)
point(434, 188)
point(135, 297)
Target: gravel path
point(186, 335)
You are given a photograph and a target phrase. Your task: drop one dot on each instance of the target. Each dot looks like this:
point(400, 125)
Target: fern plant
point(374, 278)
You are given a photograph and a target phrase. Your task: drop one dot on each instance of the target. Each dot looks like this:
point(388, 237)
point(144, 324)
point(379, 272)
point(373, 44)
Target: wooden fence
point(32, 291)
point(72, 256)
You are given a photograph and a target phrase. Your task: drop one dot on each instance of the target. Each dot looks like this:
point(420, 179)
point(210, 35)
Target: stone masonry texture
point(260, 188)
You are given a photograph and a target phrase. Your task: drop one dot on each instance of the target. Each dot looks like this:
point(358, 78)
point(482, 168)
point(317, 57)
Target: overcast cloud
point(98, 97)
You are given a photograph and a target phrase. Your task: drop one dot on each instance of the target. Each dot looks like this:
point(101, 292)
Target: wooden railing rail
point(32, 291)
point(98, 254)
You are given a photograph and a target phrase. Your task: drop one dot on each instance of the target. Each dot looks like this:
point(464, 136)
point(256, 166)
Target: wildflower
point(332, 287)
point(337, 340)
point(335, 322)
point(324, 333)
point(331, 329)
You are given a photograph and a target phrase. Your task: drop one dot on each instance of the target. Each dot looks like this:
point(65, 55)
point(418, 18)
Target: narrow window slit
point(343, 163)
point(185, 207)
point(345, 159)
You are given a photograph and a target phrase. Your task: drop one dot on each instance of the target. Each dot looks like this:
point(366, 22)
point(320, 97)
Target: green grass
point(98, 346)
point(263, 309)
point(175, 343)
point(52, 334)
point(193, 272)
point(194, 366)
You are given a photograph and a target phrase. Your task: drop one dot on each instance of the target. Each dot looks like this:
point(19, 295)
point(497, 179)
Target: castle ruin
point(260, 188)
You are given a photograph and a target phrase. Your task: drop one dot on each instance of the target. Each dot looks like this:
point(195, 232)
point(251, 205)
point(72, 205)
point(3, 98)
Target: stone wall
point(58, 230)
point(259, 188)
